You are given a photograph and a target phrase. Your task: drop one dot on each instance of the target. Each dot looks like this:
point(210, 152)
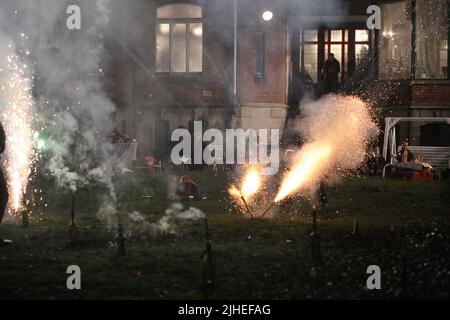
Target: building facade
point(234, 62)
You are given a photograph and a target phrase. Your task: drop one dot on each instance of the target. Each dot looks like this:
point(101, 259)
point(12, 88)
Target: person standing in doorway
point(332, 70)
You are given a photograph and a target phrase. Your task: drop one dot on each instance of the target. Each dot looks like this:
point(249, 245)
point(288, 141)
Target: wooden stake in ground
point(315, 239)
point(267, 210)
point(24, 213)
point(356, 229)
point(247, 206)
point(73, 228)
point(73, 224)
point(208, 281)
point(120, 241)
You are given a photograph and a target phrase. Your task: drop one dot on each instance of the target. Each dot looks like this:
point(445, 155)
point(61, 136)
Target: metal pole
point(386, 138)
point(393, 145)
point(235, 27)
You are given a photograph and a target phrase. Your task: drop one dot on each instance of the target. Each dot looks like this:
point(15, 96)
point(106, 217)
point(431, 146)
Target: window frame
point(187, 22)
point(414, 45)
point(378, 39)
point(343, 43)
point(367, 42)
point(304, 42)
point(324, 44)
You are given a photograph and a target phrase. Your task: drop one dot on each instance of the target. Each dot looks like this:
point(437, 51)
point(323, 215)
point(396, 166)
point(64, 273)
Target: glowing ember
point(16, 104)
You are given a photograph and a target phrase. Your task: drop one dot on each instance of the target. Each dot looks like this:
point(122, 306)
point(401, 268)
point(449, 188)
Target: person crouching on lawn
point(188, 189)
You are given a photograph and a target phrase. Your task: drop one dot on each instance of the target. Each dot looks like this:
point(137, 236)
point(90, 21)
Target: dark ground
point(404, 228)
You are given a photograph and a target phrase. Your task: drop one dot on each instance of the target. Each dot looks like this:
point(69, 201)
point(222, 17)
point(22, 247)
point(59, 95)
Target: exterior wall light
point(267, 15)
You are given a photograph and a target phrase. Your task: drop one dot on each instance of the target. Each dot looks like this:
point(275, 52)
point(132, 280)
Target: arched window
point(179, 39)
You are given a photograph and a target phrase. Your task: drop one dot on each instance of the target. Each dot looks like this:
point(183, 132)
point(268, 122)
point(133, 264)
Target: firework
point(311, 161)
point(338, 128)
point(250, 186)
point(16, 104)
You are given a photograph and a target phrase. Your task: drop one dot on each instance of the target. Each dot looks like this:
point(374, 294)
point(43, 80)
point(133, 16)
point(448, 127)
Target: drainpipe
point(235, 102)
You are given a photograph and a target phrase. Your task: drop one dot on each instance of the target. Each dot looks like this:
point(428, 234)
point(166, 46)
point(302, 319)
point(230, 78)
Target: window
point(260, 56)
point(361, 48)
point(431, 39)
point(395, 41)
point(347, 45)
point(336, 42)
point(309, 48)
point(179, 39)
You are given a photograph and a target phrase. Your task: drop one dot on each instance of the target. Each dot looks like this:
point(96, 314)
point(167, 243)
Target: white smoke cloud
point(344, 121)
point(135, 223)
point(75, 114)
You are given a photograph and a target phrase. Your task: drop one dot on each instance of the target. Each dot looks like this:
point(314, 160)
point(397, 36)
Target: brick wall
point(144, 96)
point(431, 95)
point(272, 89)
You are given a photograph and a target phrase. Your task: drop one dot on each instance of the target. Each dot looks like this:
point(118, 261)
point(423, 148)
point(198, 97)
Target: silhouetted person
point(306, 83)
point(3, 185)
point(322, 197)
point(332, 69)
point(302, 87)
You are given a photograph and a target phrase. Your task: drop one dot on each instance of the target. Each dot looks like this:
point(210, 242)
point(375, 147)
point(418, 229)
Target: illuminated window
point(431, 39)
point(361, 35)
point(309, 52)
point(339, 47)
point(179, 39)
point(361, 47)
point(395, 41)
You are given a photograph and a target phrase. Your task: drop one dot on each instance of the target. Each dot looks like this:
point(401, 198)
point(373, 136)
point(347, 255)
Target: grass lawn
point(404, 229)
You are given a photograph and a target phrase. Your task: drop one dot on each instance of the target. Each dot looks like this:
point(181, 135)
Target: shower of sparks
point(251, 183)
point(250, 186)
point(338, 128)
point(16, 105)
point(311, 161)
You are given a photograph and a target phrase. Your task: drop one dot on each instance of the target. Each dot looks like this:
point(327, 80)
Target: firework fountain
point(337, 129)
point(250, 186)
point(16, 105)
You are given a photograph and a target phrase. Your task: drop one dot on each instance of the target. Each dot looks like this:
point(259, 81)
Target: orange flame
point(232, 190)
point(250, 185)
point(311, 160)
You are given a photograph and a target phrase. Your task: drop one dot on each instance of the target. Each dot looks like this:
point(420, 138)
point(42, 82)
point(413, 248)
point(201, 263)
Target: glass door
point(336, 42)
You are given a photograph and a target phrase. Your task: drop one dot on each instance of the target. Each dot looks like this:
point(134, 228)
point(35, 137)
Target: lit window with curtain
point(309, 48)
point(336, 42)
point(431, 39)
point(179, 39)
point(361, 47)
point(395, 41)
